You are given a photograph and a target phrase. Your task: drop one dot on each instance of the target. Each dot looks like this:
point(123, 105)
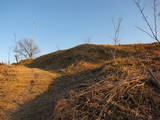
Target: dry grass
point(92, 54)
point(78, 67)
point(18, 85)
point(84, 83)
point(26, 61)
point(131, 96)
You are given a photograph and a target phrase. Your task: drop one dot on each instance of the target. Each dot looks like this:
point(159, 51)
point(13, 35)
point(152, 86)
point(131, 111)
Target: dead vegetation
point(92, 54)
point(18, 85)
point(128, 97)
point(86, 83)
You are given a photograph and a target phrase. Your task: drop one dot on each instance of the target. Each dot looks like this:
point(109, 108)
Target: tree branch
point(154, 79)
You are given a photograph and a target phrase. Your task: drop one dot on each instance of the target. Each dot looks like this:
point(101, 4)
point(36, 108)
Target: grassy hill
point(87, 82)
point(90, 53)
point(19, 85)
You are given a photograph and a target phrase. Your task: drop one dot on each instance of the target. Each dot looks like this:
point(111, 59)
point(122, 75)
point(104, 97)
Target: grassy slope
point(18, 85)
point(88, 78)
point(90, 53)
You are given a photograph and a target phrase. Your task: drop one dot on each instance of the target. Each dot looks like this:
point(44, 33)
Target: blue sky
point(65, 23)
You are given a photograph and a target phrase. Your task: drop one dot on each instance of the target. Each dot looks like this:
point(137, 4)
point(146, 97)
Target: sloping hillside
point(121, 92)
point(19, 85)
point(87, 82)
point(90, 53)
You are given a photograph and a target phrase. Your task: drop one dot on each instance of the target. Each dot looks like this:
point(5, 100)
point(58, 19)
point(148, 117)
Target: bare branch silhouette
point(116, 34)
point(153, 29)
point(26, 48)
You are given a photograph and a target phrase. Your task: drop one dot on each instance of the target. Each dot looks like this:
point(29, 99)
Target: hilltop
point(86, 82)
point(92, 54)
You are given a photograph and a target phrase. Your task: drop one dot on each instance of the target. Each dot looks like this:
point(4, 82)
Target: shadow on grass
point(87, 53)
point(41, 107)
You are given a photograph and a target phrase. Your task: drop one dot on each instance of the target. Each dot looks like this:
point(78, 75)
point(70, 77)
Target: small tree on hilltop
point(116, 34)
point(25, 48)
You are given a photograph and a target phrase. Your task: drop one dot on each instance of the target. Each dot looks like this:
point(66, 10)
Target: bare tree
point(17, 58)
point(57, 47)
point(16, 54)
point(88, 40)
point(9, 55)
point(25, 48)
point(116, 34)
point(152, 28)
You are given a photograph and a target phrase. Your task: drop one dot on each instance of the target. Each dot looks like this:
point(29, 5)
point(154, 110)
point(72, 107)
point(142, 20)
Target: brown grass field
point(84, 83)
